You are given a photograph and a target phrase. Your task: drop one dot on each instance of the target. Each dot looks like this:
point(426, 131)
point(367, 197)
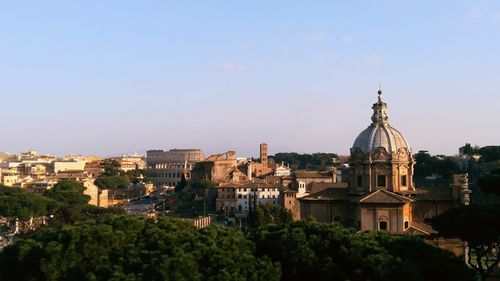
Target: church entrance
point(382, 225)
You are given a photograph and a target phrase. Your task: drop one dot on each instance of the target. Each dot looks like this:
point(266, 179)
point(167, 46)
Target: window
point(359, 181)
point(403, 180)
point(239, 208)
point(381, 180)
point(239, 196)
point(382, 225)
point(407, 224)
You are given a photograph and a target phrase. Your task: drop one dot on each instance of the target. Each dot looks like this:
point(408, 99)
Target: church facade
point(381, 194)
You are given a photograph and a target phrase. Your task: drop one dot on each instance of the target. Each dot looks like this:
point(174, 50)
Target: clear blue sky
point(109, 77)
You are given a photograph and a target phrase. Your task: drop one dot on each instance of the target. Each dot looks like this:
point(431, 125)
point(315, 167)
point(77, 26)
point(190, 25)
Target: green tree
point(112, 182)
point(111, 167)
point(137, 175)
point(28, 209)
point(202, 184)
point(260, 215)
point(315, 251)
point(479, 226)
point(68, 192)
point(182, 184)
point(470, 150)
point(428, 165)
point(135, 248)
point(489, 183)
point(315, 161)
point(489, 153)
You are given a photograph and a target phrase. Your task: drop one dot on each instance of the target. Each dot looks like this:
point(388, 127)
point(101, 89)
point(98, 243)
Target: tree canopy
point(315, 251)
point(22, 204)
point(134, 248)
point(260, 215)
point(489, 183)
point(490, 153)
point(315, 161)
point(202, 184)
point(110, 167)
point(426, 165)
point(137, 248)
point(68, 192)
point(112, 182)
point(479, 225)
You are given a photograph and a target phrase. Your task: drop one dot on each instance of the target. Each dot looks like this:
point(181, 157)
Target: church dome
point(380, 133)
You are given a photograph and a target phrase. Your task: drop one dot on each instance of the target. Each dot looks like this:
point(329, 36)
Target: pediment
point(384, 197)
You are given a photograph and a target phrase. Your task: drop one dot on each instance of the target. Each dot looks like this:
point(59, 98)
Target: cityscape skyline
point(121, 77)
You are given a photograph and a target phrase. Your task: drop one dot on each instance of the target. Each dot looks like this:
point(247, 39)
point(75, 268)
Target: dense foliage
point(479, 225)
point(22, 204)
point(489, 153)
point(202, 184)
point(68, 192)
point(315, 161)
point(138, 248)
point(489, 183)
point(427, 165)
point(112, 182)
point(314, 251)
point(111, 168)
point(133, 248)
point(260, 215)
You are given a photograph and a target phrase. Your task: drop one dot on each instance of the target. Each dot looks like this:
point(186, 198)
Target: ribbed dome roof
point(376, 136)
point(380, 133)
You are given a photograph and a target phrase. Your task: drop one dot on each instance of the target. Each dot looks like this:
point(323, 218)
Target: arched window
point(382, 225)
point(407, 224)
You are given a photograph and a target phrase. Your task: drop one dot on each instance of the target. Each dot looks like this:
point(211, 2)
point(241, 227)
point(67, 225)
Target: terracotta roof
point(319, 186)
point(313, 174)
point(329, 194)
point(382, 196)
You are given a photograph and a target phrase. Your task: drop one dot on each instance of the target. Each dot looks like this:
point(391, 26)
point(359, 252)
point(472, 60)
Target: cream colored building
point(68, 165)
point(98, 197)
point(282, 170)
point(238, 198)
point(9, 179)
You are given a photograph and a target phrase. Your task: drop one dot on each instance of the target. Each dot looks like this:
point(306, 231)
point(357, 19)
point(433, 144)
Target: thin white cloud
point(233, 67)
point(313, 37)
